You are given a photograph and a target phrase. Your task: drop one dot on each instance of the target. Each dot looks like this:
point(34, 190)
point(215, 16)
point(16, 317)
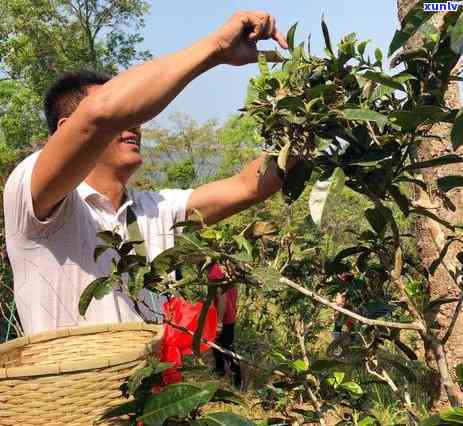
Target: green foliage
point(177, 400)
point(155, 403)
point(450, 417)
point(41, 39)
point(187, 154)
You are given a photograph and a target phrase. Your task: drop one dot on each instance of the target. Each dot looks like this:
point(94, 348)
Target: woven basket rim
point(66, 367)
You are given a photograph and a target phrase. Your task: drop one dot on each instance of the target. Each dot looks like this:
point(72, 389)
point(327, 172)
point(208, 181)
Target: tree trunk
point(430, 235)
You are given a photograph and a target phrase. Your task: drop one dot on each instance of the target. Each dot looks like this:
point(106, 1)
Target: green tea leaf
point(139, 280)
point(378, 218)
point(459, 373)
point(112, 239)
point(295, 181)
point(323, 365)
point(383, 79)
point(378, 55)
point(401, 200)
point(223, 395)
point(368, 421)
point(292, 103)
point(365, 115)
point(447, 183)
point(300, 366)
point(435, 162)
point(362, 46)
point(410, 120)
point(97, 289)
point(153, 368)
point(351, 251)
point(130, 407)
point(290, 37)
point(263, 65)
point(222, 419)
point(99, 250)
point(339, 376)
point(432, 421)
point(243, 243)
point(176, 400)
point(353, 388)
point(453, 416)
point(326, 36)
point(424, 212)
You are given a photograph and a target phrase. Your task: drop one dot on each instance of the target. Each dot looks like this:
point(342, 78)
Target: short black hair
point(63, 97)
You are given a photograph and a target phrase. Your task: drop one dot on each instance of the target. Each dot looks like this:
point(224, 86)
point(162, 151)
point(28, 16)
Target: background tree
point(185, 154)
point(41, 39)
point(431, 236)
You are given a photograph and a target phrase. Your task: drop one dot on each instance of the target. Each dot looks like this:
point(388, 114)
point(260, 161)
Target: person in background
point(227, 308)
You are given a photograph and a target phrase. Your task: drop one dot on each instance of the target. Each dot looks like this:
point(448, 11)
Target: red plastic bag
point(175, 342)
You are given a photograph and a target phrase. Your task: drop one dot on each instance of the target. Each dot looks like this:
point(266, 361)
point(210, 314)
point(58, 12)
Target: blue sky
point(173, 25)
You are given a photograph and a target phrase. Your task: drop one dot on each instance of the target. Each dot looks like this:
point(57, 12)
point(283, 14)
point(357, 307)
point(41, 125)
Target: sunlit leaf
point(378, 55)
point(353, 388)
point(452, 415)
point(263, 66)
point(290, 37)
point(283, 156)
point(320, 193)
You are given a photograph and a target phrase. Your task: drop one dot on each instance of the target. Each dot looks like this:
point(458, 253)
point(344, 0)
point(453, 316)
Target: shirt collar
point(88, 193)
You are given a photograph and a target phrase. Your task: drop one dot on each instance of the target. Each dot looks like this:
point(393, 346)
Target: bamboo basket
point(71, 376)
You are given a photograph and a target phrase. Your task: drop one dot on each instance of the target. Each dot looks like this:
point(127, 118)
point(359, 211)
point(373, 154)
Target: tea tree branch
point(403, 326)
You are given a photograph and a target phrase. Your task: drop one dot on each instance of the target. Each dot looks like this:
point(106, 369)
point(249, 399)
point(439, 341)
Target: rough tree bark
point(430, 235)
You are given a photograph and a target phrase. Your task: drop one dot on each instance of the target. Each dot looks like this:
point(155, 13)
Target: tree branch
point(402, 326)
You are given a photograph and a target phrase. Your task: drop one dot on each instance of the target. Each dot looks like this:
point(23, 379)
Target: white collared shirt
point(52, 260)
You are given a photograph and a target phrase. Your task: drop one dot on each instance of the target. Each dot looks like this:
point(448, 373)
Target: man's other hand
point(237, 39)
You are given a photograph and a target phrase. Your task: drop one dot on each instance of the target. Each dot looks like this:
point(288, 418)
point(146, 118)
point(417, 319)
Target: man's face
point(123, 152)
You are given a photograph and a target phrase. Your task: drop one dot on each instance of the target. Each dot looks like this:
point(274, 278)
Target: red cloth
point(215, 273)
point(231, 307)
point(176, 343)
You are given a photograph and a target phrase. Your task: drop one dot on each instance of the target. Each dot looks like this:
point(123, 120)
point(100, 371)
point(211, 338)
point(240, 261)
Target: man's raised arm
point(134, 97)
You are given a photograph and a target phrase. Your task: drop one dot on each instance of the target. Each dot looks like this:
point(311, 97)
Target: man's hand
point(237, 39)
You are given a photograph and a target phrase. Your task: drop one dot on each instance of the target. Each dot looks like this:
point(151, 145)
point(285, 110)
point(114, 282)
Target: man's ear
point(61, 121)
